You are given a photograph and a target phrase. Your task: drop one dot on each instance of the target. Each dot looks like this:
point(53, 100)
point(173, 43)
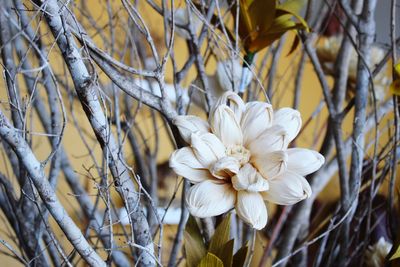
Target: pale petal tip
point(208, 199)
point(251, 208)
point(320, 158)
point(306, 189)
point(172, 159)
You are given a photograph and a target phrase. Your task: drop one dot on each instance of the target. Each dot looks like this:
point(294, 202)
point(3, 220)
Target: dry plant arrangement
point(198, 133)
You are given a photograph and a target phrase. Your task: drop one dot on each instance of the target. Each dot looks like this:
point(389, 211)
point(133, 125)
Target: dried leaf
point(221, 235)
point(226, 253)
point(245, 19)
point(294, 6)
point(261, 22)
point(295, 44)
point(298, 17)
point(194, 245)
point(255, 18)
point(240, 257)
point(397, 69)
point(262, 13)
point(262, 42)
point(210, 260)
point(395, 87)
point(396, 255)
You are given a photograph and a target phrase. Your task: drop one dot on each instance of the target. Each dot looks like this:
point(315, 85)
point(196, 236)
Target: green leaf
point(221, 235)
point(226, 253)
point(195, 248)
point(210, 260)
point(240, 257)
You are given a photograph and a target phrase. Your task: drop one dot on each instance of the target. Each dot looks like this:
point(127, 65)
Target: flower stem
point(246, 72)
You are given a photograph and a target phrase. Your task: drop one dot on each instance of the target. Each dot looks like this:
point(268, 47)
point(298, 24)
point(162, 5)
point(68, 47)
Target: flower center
point(239, 152)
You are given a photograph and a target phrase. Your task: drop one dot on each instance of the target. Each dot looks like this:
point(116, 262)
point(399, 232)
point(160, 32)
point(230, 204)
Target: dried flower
point(376, 254)
point(328, 51)
point(240, 157)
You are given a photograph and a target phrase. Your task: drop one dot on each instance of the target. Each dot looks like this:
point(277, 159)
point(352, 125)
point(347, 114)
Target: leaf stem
point(246, 72)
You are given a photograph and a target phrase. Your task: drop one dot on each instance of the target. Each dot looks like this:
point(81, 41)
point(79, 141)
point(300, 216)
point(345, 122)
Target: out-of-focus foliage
point(395, 86)
point(261, 22)
point(219, 251)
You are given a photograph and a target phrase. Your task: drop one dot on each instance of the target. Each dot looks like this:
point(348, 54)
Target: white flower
point(240, 157)
point(376, 254)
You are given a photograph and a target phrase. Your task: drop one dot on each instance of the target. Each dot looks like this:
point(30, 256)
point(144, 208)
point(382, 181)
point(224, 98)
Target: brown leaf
point(240, 257)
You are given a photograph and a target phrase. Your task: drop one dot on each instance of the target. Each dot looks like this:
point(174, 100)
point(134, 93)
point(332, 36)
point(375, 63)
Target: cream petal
point(251, 208)
point(271, 164)
point(225, 168)
point(207, 148)
point(290, 120)
point(287, 189)
point(272, 139)
point(190, 124)
point(225, 126)
point(184, 163)
point(209, 198)
point(306, 187)
point(249, 179)
point(257, 117)
point(235, 103)
point(304, 161)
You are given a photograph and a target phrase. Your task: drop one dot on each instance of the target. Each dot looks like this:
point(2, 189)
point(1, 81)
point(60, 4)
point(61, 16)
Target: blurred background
point(276, 67)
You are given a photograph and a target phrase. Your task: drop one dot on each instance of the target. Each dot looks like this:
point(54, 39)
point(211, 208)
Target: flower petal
point(184, 163)
point(304, 161)
point(272, 139)
point(226, 127)
point(235, 103)
point(290, 120)
point(251, 208)
point(190, 124)
point(207, 148)
point(271, 164)
point(256, 119)
point(208, 199)
point(249, 179)
point(287, 189)
point(225, 167)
